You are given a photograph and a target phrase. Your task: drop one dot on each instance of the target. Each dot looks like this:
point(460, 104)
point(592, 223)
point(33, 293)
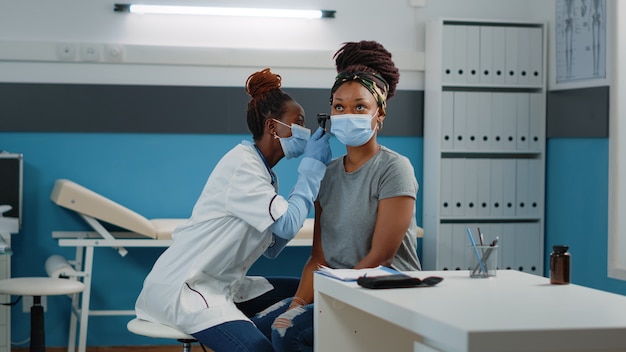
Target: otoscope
point(321, 120)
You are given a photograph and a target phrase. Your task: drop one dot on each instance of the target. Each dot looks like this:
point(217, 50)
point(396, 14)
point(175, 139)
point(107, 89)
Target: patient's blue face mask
point(352, 129)
point(294, 146)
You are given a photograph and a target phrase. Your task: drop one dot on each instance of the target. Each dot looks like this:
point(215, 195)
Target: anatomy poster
point(580, 40)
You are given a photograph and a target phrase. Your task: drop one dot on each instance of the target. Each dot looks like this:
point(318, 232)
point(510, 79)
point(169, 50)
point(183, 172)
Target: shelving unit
point(5, 311)
point(484, 141)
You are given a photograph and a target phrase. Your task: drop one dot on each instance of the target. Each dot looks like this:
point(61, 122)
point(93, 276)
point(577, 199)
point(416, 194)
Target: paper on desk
point(354, 274)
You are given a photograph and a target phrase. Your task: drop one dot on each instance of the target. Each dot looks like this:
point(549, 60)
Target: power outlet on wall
point(90, 52)
point(27, 302)
point(66, 51)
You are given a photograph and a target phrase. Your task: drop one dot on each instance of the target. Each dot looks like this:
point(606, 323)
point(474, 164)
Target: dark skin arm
point(392, 221)
point(305, 289)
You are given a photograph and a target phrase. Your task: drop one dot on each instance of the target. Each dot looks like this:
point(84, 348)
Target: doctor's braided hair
point(268, 100)
point(369, 57)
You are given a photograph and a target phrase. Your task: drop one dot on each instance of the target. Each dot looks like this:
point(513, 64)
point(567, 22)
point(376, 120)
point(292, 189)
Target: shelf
point(494, 154)
point(484, 140)
point(501, 219)
point(477, 87)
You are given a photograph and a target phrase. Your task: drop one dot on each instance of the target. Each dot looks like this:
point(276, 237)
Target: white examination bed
point(96, 209)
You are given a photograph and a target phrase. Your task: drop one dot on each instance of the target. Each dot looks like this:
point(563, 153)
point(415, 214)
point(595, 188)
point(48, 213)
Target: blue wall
point(157, 175)
point(161, 176)
point(577, 208)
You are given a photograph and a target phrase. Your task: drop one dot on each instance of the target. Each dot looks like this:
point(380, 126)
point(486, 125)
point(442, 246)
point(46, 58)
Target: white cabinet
point(484, 141)
point(5, 311)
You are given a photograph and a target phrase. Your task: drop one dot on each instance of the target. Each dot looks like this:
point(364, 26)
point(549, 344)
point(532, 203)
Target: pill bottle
point(559, 265)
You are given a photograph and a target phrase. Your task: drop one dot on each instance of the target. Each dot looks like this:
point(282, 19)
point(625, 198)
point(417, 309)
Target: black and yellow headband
point(373, 82)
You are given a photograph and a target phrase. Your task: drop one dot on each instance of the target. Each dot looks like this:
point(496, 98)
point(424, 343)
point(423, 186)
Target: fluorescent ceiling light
point(222, 11)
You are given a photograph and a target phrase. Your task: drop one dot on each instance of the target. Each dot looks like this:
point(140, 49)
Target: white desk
point(514, 311)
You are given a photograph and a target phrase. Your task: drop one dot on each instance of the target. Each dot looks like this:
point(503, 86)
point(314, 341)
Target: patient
point(365, 211)
point(199, 284)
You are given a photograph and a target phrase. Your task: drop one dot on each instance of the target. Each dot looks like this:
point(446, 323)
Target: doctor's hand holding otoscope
point(318, 147)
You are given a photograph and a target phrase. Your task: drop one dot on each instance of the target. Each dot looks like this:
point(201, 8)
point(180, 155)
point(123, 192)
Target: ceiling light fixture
point(222, 11)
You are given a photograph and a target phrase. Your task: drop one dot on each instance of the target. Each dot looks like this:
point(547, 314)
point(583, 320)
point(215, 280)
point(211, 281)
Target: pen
point(480, 237)
point(480, 260)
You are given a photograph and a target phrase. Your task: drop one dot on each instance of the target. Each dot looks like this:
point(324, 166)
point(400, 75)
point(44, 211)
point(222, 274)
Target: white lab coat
point(195, 282)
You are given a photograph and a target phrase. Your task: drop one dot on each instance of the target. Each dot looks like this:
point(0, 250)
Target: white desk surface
point(514, 311)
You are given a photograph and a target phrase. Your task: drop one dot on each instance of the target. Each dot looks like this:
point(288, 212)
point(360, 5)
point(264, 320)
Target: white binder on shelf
point(486, 54)
point(460, 242)
point(536, 55)
point(483, 201)
point(523, 121)
point(522, 190)
point(492, 231)
point(472, 139)
point(511, 60)
point(460, 120)
point(473, 54)
point(535, 177)
point(534, 240)
point(447, 120)
point(499, 55)
point(509, 122)
point(458, 187)
point(447, 199)
point(460, 55)
point(471, 187)
point(509, 187)
point(521, 262)
point(536, 124)
point(496, 180)
point(523, 56)
point(444, 249)
point(484, 121)
point(497, 121)
point(526, 247)
point(507, 246)
point(447, 55)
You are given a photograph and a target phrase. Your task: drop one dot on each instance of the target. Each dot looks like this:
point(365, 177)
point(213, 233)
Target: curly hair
point(267, 100)
point(370, 57)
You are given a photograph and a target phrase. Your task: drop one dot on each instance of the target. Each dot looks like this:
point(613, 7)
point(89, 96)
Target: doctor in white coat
point(196, 283)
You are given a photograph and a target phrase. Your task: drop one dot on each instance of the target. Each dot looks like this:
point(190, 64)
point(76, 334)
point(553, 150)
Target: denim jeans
point(242, 336)
point(296, 338)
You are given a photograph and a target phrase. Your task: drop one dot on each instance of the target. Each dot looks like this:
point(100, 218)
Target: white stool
point(156, 330)
point(37, 287)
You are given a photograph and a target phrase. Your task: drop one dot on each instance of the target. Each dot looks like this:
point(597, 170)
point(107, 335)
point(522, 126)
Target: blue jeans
point(296, 338)
point(242, 336)
point(234, 336)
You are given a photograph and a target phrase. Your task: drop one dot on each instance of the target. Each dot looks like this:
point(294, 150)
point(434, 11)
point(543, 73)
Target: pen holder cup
point(483, 260)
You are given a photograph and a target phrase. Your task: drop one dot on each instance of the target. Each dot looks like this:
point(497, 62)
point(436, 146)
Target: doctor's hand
point(318, 147)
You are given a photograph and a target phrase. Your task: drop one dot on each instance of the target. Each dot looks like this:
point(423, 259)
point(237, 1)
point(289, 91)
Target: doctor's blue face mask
point(352, 129)
point(294, 146)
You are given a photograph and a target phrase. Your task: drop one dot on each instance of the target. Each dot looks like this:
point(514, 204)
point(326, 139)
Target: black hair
point(370, 57)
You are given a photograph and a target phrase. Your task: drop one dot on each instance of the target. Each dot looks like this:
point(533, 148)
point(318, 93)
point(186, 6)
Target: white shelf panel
point(484, 140)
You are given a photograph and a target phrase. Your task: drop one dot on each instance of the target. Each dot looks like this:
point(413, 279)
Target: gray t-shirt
point(349, 202)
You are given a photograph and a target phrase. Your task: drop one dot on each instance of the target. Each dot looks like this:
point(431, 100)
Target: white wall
point(617, 167)
point(300, 50)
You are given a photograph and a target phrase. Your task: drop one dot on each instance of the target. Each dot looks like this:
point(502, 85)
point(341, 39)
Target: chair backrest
point(73, 196)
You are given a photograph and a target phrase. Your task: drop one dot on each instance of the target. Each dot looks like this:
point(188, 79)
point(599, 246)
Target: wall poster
point(580, 40)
